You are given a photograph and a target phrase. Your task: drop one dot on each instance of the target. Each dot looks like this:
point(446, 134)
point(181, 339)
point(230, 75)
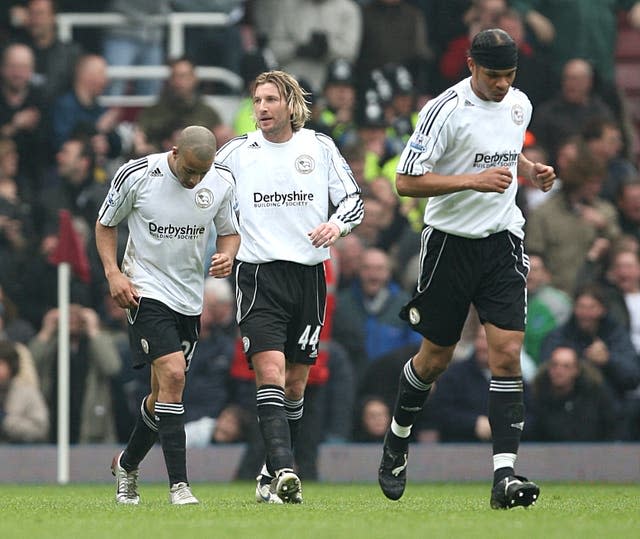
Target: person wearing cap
point(337, 117)
point(466, 155)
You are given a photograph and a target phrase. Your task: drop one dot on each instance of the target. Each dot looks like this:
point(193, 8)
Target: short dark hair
point(9, 354)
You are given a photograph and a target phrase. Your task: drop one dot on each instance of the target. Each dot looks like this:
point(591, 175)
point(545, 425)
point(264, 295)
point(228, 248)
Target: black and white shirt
point(285, 190)
point(169, 226)
point(459, 133)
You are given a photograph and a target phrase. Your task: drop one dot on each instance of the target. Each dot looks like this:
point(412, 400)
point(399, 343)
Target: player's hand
point(493, 180)
point(543, 176)
point(221, 265)
point(122, 291)
point(324, 235)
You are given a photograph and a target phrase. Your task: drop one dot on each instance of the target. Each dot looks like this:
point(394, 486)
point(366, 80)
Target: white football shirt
point(459, 133)
point(168, 227)
point(284, 191)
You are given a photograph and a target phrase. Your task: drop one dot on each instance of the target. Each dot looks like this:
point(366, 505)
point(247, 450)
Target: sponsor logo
point(254, 146)
point(204, 198)
point(188, 232)
point(468, 103)
point(145, 345)
point(275, 199)
point(414, 316)
point(305, 164)
point(519, 426)
point(246, 343)
point(498, 159)
point(155, 173)
point(418, 142)
point(517, 114)
point(313, 354)
point(113, 198)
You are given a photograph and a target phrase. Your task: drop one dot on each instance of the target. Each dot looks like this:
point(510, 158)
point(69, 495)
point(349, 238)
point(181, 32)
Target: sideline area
point(342, 463)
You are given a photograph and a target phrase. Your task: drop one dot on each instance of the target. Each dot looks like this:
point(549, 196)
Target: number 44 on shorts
point(309, 339)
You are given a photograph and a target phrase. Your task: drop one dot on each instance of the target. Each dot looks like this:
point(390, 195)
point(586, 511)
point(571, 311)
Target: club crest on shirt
point(204, 198)
point(414, 316)
point(246, 343)
point(305, 164)
point(517, 114)
point(418, 142)
point(145, 345)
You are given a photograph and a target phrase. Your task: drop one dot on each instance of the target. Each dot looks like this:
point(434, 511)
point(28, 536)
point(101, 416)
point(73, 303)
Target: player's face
point(189, 169)
point(490, 84)
point(272, 113)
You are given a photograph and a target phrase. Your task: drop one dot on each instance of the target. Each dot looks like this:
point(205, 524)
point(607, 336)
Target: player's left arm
point(541, 175)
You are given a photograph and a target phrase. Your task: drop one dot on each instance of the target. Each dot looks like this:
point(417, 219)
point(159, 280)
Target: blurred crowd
point(369, 67)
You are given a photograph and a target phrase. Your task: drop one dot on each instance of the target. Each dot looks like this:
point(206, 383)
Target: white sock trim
point(400, 431)
point(504, 460)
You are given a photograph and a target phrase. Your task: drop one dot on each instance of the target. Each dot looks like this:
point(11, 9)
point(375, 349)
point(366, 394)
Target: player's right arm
point(120, 287)
point(430, 184)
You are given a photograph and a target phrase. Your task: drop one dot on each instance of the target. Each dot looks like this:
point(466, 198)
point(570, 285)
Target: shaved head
point(198, 140)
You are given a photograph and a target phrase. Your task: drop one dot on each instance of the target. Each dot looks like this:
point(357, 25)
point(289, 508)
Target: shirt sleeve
point(119, 200)
point(344, 191)
point(430, 138)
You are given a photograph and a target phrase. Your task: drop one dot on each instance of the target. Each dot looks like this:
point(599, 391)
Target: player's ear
point(470, 64)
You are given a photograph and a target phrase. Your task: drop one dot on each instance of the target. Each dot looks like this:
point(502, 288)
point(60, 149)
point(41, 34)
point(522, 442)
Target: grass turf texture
point(332, 511)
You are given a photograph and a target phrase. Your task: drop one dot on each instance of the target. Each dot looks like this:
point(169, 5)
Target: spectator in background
point(309, 34)
point(22, 114)
point(366, 318)
point(337, 115)
point(179, 104)
point(534, 76)
point(571, 402)
point(547, 307)
point(228, 427)
point(90, 38)
point(373, 417)
point(565, 114)
point(78, 112)
point(226, 40)
point(207, 388)
point(599, 340)
point(348, 253)
point(76, 186)
point(13, 327)
point(94, 360)
point(137, 42)
point(17, 234)
point(578, 29)
point(24, 417)
point(54, 60)
point(480, 15)
point(565, 226)
point(394, 32)
point(628, 204)
point(602, 138)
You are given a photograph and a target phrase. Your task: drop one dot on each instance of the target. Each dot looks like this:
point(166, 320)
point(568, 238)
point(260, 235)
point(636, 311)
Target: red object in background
point(319, 373)
point(70, 248)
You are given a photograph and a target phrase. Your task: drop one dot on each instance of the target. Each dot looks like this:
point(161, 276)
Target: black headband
point(503, 56)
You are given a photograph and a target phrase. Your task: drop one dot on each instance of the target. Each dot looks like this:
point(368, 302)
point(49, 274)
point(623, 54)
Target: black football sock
point(294, 410)
point(412, 394)
point(274, 427)
point(142, 439)
point(173, 439)
point(506, 417)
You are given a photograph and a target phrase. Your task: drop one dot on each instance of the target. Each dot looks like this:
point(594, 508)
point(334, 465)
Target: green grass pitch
point(427, 510)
